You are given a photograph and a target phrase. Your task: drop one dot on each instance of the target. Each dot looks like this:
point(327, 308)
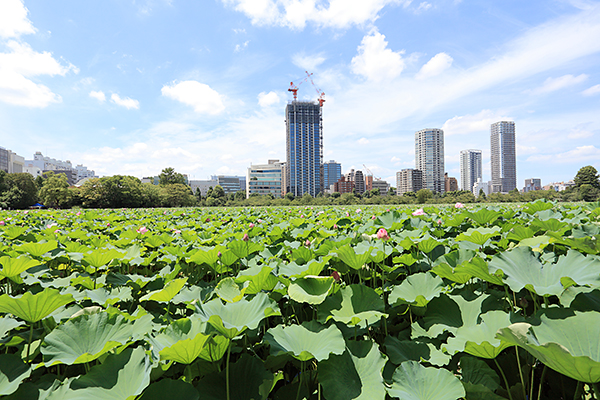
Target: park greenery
point(427, 302)
point(18, 191)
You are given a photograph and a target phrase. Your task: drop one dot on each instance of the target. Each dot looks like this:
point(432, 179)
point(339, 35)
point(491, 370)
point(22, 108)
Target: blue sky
point(134, 86)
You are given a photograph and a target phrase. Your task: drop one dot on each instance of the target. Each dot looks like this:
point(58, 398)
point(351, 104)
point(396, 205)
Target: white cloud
point(268, 99)
point(591, 91)
point(479, 122)
point(423, 6)
point(363, 141)
point(438, 64)
point(308, 62)
point(99, 95)
point(21, 63)
point(580, 132)
point(240, 47)
point(126, 102)
point(576, 156)
point(375, 61)
point(297, 13)
point(13, 19)
point(553, 84)
point(202, 97)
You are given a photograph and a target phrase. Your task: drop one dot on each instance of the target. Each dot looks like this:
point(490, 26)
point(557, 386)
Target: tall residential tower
point(470, 168)
point(429, 158)
point(332, 172)
point(304, 144)
point(503, 157)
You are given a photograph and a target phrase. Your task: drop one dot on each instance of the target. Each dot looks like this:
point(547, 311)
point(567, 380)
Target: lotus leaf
point(13, 267)
point(353, 305)
point(412, 381)
point(88, 336)
point(479, 340)
point(120, 376)
point(305, 342)
point(348, 256)
point(169, 389)
point(34, 307)
point(7, 324)
point(523, 269)
point(417, 289)
point(259, 278)
point(12, 372)
point(182, 341)
point(232, 319)
point(310, 289)
point(167, 293)
point(229, 291)
point(569, 346)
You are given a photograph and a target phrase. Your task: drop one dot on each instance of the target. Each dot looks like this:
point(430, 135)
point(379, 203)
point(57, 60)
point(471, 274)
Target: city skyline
point(134, 87)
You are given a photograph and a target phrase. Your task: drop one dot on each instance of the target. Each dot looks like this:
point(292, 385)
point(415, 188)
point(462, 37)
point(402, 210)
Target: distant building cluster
point(13, 163)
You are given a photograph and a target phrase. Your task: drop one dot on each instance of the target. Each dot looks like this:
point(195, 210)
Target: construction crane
point(294, 88)
point(370, 173)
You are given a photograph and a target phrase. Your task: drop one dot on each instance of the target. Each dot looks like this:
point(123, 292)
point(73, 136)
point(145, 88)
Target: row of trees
point(21, 190)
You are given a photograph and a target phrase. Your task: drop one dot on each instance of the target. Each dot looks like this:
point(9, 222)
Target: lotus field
point(475, 302)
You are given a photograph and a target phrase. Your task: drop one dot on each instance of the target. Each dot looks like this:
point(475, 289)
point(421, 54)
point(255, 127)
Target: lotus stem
point(30, 339)
point(299, 380)
point(578, 391)
point(596, 390)
point(521, 373)
point(227, 371)
point(505, 380)
point(541, 381)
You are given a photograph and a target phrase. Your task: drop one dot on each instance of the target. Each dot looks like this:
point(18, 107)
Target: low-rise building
point(532, 184)
point(343, 185)
point(203, 185)
point(450, 183)
point(380, 184)
point(479, 186)
point(266, 179)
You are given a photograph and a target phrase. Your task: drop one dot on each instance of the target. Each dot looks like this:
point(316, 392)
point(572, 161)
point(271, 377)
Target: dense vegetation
point(476, 302)
point(119, 191)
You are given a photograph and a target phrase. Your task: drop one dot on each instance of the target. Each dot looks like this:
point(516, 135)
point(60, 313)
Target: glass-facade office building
point(332, 172)
point(304, 148)
point(503, 156)
point(429, 158)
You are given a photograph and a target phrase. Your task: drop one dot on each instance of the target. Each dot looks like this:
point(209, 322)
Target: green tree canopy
point(168, 176)
point(117, 191)
point(55, 191)
point(177, 195)
point(587, 175)
point(17, 190)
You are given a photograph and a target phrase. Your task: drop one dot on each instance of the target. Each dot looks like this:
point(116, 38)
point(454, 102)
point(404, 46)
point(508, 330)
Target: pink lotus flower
point(251, 225)
point(176, 231)
point(382, 234)
point(307, 243)
point(335, 226)
point(108, 224)
point(358, 211)
point(347, 214)
point(26, 212)
point(164, 213)
point(373, 217)
point(246, 237)
point(78, 213)
point(51, 225)
point(219, 254)
point(439, 221)
point(459, 205)
point(259, 221)
point(419, 212)
point(2, 223)
point(142, 230)
point(388, 210)
point(56, 231)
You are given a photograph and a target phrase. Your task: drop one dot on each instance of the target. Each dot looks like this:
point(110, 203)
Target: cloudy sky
point(134, 86)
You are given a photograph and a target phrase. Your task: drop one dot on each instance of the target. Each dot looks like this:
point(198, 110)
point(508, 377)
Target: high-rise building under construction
point(304, 145)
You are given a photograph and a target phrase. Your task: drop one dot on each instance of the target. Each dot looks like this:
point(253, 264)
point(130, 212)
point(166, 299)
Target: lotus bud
point(251, 225)
point(246, 237)
point(459, 205)
point(336, 276)
point(382, 234)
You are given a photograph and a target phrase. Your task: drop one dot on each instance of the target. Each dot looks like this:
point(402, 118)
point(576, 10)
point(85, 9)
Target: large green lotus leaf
point(478, 268)
point(231, 319)
point(484, 216)
point(293, 270)
point(167, 293)
point(34, 307)
point(208, 256)
point(417, 289)
point(170, 389)
point(259, 278)
point(569, 346)
point(229, 291)
point(412, 381)
point(477, 372)
point(310, 289)
point(523, 269)
point(244, 249)
point(182, 341)
point(12, 372)
point(248, 380)
point(369, 363)
point(13, 267)
point(427, 244)
point(88, 336)
point(37, 249)
point(353, 305)
point(520, 232)
point(446, 265)
point(12, 232)
point(120, 376)
point(305, 342)
point(7, 324)
point(480, 340)
point(101, 257)
point(478, 236)
point(348, 256)
point(214, 349)
point(106, 297)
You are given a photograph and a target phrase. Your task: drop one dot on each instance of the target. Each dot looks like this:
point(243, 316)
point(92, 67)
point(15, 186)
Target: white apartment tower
point(503, 157)
point(470, 168)
point(429, 158)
